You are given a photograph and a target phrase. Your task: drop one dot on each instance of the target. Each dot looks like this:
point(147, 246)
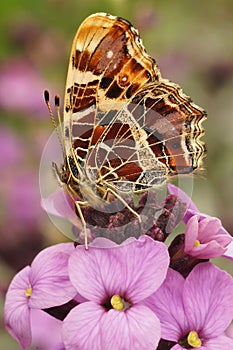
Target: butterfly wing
point(108, 66)
point(155, 136)
point(126, 126)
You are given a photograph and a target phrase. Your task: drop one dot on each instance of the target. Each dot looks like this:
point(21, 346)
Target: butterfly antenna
point(46, 97)
point(57, 106)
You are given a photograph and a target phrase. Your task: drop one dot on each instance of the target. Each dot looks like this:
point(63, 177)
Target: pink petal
point(219, 343)
point(89, 326)
point(208, 299)
point(213, 238)
point(178, 347)
point(16, 310)
point(167, 303)
point(211, 228)
point(136, 328)
point(49, 277)
point(208, 228)
point(229, 331)
point(189, 213)
point(81, 327)
point(191, 233)
point(229, 253)
point(207, 251)
point(46, 331)
point(59, 204)
point(133, 270)
point(176, 191)
point(102, 242)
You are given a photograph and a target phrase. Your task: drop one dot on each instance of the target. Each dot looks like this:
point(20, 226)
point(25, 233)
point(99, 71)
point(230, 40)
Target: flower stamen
point(117, 302)
point(197, 243)
point(193, 339)
point(28, 291)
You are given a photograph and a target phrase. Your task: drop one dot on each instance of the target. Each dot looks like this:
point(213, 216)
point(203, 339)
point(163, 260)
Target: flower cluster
point(137, 294)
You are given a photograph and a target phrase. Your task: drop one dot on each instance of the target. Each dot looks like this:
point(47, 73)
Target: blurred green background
point(192, 42)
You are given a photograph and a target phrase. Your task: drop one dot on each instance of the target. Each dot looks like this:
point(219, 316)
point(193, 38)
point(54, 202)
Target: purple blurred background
point(192, 44)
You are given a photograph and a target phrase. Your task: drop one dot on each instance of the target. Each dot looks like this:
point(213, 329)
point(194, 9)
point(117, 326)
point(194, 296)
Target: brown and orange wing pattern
point(125, 126)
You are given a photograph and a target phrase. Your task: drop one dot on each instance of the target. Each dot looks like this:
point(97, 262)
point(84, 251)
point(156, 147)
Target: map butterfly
point(125, 128)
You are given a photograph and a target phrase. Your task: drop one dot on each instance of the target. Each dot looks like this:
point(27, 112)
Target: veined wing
point(108, 66)
point(156, 136)
point(123, 122)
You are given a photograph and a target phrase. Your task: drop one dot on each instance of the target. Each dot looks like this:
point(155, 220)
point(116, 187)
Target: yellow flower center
point(117, 302)
point(28, 292)
point(194, 340)
point(197, 243)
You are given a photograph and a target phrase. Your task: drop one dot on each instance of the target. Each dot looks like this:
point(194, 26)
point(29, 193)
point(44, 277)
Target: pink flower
point(205, 237)
point(43, 285)
point(195, 313)
point(115, 281)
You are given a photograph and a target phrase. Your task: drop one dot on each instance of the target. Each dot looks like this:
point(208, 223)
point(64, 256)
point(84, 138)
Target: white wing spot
point(109, 54)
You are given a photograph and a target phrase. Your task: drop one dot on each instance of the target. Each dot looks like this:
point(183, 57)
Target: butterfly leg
point(78, 207)
point(78, 204)
point(124, 203)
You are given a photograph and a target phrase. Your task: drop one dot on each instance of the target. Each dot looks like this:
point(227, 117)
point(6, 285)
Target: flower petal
point(137, 328)
point(46, 331)
point(208, 299)
point(133, 270)
point(211, 235)
point(207, 251)
point(49, 277)
point(229, 331)
point(178, 347)
point(16, 311)
point(176, 191)
point(208, 228)
point(211, 228)
point(167, 304)
point(191, 233)
point(229, 252)
point(222, 342)
point(102, 242)
point(89, 326)
point(81, 327)
point(59, 204)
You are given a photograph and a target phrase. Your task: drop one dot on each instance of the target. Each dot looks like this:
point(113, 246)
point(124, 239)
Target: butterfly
point(125, 129)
